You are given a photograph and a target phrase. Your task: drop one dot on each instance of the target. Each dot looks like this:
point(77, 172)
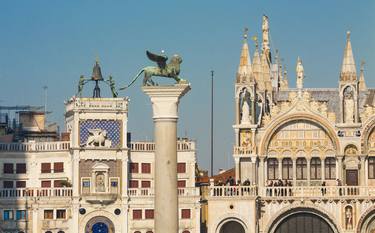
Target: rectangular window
point(8, 215)
point(21, 168)
point(7, 184)
point(58, 167)
point(185, 213)
point(8, 168)
point(137, 214)
point(20, 184)
point(20, 214)
point(60, 214)
point(133, 183)
point(146, 167)
point(181, 167)
point(149, 214)
point(114, 183)
point(146, 184)
point(46, 168)
point(181, 184)
point(48, 214)
point(58, 183)
point(86, 183)
point(46, 183)
point(133, 167)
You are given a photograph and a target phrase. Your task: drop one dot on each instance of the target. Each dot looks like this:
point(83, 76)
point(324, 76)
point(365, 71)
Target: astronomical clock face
point(100, 133)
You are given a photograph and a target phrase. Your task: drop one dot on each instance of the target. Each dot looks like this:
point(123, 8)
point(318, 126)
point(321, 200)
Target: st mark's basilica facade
point(304, 162)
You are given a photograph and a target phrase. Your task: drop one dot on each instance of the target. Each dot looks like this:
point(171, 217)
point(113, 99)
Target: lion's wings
point(161, 60)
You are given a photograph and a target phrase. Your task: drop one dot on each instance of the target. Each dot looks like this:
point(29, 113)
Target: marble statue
point(245, 119)
point(349, 218)
point(348, 105)
point(100, 186)
point(300, 73)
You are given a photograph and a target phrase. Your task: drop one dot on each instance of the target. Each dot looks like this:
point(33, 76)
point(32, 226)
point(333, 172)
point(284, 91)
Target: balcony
point(35, 146)
point(148, 192)
point(182, 145)
point(293, 192)
point(21, 193)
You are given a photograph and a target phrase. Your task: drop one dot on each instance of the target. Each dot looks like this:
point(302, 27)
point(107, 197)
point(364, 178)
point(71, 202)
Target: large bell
point(96, 73)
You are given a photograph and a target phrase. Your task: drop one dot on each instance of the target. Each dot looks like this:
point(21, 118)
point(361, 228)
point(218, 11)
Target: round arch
point(231, 221)
point(367, 222)
point(279, 122)
point(308, 211)
point(100, 216)
point(368, 129)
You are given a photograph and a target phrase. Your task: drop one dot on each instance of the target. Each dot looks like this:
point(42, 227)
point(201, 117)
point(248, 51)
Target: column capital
point(165, 99)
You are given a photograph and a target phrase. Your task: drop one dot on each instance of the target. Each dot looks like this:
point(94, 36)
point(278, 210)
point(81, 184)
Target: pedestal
point(165, 101)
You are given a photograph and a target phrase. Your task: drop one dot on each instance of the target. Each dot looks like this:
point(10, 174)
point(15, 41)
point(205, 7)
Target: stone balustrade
point(150, 146)
point(148, 192)
point(365, 192)
point(65, 146)
point(35, 192)
point(35, 146)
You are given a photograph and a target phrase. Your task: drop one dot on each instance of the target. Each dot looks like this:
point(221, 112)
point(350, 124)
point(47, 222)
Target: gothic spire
point(361, 82)
point(265, 38)
point(244, 73)
point(348, 70)
point(257, 66)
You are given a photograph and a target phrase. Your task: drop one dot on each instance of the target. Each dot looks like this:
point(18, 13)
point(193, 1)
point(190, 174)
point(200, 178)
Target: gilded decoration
point(245, 138)
point(300, 136)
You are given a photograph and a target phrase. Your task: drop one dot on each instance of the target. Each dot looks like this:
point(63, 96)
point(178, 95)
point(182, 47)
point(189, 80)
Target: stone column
point(308, 175)
point(237, 109)
point(280, 163)
point(165, 101)
point(261, 172)
point(294, 171)
point(322, 168)
point(362, 180)
point(237, 168)
point(339, 168)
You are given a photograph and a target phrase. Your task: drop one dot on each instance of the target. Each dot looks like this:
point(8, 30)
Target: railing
point(35, 146)
point(293, 191)
point(35, 192)
point(233, 191)
point(241, 150)
point(148, 192)
point(319, 191)
point(150, 146)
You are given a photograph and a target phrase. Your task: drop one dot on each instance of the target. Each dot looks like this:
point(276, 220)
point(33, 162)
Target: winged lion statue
point(164, 69)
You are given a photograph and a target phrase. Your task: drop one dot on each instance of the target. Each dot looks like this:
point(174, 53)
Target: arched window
point(371, 167)
point(315, 169)
point(149, 232)
point(186, 231)
point(301, 169)
point(48, 232)
point(330, 168)
point(272, 169)
point(60, 232)
point(287, 169)
point(137, 232)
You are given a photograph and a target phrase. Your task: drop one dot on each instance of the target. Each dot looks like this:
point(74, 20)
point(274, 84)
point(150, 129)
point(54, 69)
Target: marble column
point(261, 172)
point(362, 179)
point(339, 168)
point(280, 163)
point(165, 100)
point(322, 168)
point(308, 170)
point(294, 171)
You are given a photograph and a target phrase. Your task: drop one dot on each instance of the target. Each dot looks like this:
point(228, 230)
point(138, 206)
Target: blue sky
point(53, 42)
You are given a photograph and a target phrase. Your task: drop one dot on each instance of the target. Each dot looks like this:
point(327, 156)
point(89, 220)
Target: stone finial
point(362, 82)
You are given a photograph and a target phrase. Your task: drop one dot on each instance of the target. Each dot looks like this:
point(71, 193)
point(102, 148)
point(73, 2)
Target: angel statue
point(170, 70)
